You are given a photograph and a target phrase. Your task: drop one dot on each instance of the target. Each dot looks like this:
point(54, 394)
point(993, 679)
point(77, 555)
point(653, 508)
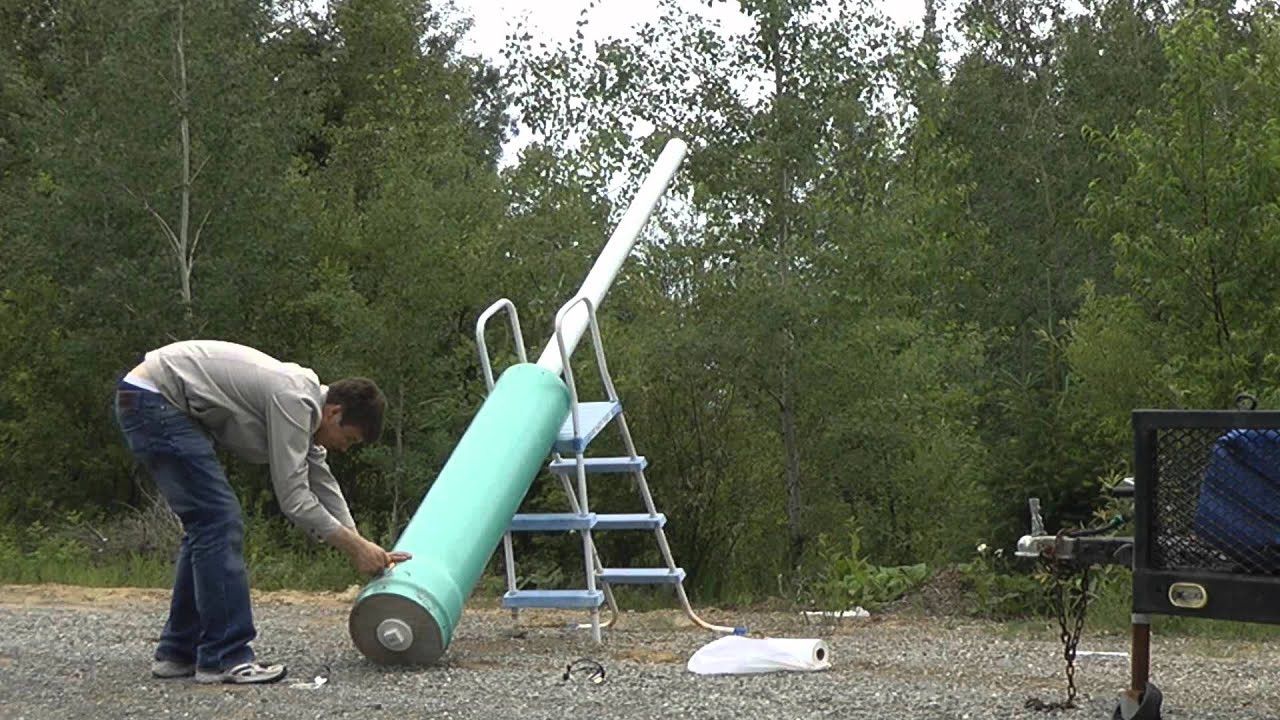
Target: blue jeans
point(210, 620)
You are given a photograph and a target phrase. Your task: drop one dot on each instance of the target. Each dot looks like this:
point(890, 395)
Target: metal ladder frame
point(579, 500)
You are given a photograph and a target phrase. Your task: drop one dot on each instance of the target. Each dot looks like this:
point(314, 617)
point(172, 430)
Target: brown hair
point(363, 405)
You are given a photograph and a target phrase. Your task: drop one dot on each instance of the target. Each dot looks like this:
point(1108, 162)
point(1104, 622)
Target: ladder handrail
point(579, 502)
point(517, 337)
point(599, 351)
point(588, 544)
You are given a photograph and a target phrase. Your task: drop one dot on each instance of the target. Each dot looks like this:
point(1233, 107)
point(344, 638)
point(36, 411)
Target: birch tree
point(767, 285)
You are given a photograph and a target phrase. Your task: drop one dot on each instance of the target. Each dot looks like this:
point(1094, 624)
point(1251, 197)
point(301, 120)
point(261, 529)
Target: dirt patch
point(945, 594)
point(318, 600)
point(70, 595)
point(51, 595)
point(646, 656)
point(934, 667)
point(476, 664)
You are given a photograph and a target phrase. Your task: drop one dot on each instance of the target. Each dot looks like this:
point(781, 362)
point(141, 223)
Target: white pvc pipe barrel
point(615, 253)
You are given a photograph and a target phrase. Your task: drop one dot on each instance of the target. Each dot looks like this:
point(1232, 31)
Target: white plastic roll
point(737, 655)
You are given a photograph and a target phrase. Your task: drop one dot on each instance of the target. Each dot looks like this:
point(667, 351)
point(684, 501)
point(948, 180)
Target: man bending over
point(171, 408)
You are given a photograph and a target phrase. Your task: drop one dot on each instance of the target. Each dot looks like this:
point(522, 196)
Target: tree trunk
point(787, 400)
point(182, 240)
point(399, 470)
point(791, 451)
point(184, 128)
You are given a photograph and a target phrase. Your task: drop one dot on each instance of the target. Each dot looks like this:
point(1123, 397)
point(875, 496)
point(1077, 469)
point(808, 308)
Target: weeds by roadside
point(137, 548)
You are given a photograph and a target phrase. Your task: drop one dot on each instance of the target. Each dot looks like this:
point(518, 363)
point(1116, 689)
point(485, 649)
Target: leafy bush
point(137, 549)
point(1000, 590)
point(42, 554)
point(847, 579)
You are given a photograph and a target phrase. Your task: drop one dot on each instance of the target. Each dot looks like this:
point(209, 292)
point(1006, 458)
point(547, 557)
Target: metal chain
point(1071, 624)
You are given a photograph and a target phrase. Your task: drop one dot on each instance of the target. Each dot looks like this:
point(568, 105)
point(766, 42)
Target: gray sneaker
point(172, 669)
point(243, 674)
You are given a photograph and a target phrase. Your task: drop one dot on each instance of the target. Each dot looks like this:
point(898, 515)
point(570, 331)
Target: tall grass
point(137, 548)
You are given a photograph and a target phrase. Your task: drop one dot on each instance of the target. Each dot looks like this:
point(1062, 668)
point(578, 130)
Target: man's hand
point(367, 557)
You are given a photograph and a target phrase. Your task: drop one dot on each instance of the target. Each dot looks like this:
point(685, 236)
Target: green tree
point(1192, 214)
point(408, 204)
point(150, 147)
point(771, 319)
point(1033, 81)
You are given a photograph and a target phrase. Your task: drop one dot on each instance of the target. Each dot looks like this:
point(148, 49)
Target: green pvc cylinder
point(408, 614)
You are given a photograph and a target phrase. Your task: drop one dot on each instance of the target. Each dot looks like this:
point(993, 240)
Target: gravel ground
point(83, 653)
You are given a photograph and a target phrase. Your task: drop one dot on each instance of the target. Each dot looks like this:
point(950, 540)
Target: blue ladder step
point(592, 418)
point(539, 522)
point(630, 521)
point(641, 576)
point(552, 599)
point(599, 465)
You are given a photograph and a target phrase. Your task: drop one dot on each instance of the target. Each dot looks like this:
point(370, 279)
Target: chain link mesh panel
point(1215, 500)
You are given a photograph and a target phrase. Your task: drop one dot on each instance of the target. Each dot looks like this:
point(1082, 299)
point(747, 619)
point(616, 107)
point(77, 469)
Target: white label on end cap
point(1188, 595)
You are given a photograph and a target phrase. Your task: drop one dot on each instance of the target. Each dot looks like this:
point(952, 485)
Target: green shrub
point(846, 579)
point(137, 549)
point(44, 555)
point(999, 589)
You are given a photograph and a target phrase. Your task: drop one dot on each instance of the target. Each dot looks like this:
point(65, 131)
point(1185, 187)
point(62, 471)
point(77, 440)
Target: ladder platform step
point(599, 465)
point(553, 599)
point(540, 522)
point(592, 418)
point(641, 576)
point(630, 521)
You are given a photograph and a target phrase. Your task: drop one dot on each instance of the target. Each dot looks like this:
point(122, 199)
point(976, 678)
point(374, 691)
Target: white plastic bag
point(737, 655)
point(858, 612)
